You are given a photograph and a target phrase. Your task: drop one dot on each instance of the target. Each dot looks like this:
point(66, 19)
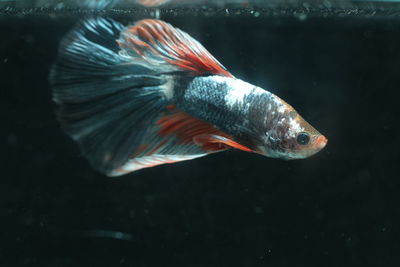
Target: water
point(338, 68)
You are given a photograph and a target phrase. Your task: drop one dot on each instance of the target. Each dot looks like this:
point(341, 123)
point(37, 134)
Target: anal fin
point(151, 161)
point(176, 136)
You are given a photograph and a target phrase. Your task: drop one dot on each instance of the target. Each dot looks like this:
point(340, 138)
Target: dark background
point(338, 208)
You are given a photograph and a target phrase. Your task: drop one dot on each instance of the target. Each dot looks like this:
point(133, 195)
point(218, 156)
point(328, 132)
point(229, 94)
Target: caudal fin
point(114, 88)
point(105, 101)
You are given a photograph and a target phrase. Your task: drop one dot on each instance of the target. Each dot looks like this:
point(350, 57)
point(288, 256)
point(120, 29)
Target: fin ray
point(151, 161)
point(114, 96)
point(105, 101)
point(171, 139)
point(159, 43)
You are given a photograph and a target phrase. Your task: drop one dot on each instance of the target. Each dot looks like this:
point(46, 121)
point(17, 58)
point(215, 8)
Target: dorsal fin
point(158, 42)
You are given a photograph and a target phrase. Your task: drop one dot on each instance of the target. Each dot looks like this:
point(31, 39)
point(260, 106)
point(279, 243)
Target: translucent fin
point(208, 139)
point(114, 96)
point(139, 163)
point(106, 103)
point(172, 139)
point(160, 44)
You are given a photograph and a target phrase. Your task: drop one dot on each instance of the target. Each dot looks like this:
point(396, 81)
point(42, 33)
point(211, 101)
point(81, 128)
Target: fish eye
point(303, 138)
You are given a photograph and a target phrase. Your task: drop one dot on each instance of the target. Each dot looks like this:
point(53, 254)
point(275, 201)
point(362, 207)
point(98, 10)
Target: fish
point(148, 94)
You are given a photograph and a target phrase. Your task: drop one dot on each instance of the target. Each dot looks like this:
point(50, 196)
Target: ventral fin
point(187, 129)
point(159, 43)
point(208, 139)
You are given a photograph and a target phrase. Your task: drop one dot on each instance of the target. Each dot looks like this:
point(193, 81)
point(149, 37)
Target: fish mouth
point(321, 142)
point(318, 145)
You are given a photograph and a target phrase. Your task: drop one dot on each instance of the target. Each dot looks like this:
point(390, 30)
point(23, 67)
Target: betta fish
point(148, 94)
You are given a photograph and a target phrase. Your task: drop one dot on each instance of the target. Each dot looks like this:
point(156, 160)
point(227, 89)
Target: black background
point(338, 208)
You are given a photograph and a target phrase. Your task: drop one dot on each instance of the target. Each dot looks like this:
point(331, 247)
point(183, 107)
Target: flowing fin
point(208, 139)
point(105, 101)
point(170, 140)
point(177, 137)
point(139, 163)
point(190, 130)
point(115, 96)
point(159, 43)
point(187, 128)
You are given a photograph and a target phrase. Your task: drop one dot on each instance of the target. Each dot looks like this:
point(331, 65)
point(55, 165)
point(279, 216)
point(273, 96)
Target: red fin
point(191, 130)
point(176, 136)
point(156, 41)
point(186, 128)
point(216, 139)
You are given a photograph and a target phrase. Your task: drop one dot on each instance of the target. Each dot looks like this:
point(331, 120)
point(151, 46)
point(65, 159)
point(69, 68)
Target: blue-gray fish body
point(149, 94)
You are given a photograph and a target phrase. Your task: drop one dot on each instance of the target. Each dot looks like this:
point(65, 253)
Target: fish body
point(149, 94)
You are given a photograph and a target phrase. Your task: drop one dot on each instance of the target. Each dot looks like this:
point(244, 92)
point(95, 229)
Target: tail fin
point(114, 88)
point(105, 101)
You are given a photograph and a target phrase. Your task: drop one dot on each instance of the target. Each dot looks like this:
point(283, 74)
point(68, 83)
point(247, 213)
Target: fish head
point(289, 136)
